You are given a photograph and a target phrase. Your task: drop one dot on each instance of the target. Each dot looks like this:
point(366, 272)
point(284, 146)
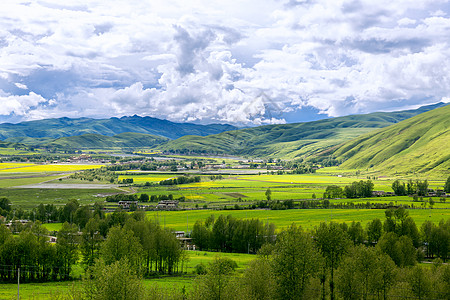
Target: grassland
point(30, 198)
point(418, 144)
point(10, 182)
point(307, 218)
point(245, 190)
point(51, 290)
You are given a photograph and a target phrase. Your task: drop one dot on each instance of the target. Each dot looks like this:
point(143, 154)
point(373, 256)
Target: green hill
point(40, 131)
point(290, 140)
point(97, 141)
point(419, 144)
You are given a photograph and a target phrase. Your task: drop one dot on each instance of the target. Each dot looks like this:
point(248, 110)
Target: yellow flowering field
point(32, 168)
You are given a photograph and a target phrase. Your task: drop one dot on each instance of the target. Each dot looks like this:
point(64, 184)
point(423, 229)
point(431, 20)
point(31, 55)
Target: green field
point(30, 198)
point(51, 290)
point(9, 182)
point(307, 218)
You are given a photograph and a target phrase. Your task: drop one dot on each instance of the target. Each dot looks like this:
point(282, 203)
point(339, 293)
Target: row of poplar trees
point(147, 246)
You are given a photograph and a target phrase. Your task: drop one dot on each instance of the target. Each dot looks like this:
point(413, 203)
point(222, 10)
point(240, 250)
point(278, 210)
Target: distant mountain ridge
point(42, 131)
point(291, 140)
point(98, 141)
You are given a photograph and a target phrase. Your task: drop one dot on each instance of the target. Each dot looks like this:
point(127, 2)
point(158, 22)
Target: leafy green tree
point(295, 261)
point(121, 244)
point(333, 191)
point(144, 198)
point(447, 185)
point(374, 231)
point(68, 211)
point(217, 284)
point(411, 187)
point(363, 272)
point(400, 249)
point(387, 274)
point(268, 194)
point(5, 204)
point(440, 240)
point(90, 242)
point(399, 188)
point(332, 243)
point(259, 279)
point(219, 233)
point(422, 187)
point(356, 233)
point(82, 216)
point(425, 231)
point(201, 235)
point(67, 248)
point(118, 280)
point(419, 280)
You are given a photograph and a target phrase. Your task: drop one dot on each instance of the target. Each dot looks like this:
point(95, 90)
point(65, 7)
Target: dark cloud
point(190, 47)
point(380, 45)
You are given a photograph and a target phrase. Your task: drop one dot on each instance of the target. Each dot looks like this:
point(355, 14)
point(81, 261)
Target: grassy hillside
point(95, 141)
point(419, 144)
point(38, 132)
point(289, 140)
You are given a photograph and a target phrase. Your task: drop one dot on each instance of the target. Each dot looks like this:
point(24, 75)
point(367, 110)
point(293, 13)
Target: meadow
point(53, 290)
point(306, 218)
point(30, 198)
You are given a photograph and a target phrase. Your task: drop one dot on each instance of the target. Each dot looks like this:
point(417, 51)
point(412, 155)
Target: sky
point(246, 62)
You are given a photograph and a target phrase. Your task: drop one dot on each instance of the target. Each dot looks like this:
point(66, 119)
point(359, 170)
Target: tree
point(217, 283)
point(440, 240)
point(5, 204)
point(399, 188)
point(426, 230)
point(90, 242)
point(332, 243)
point(333, 191)
point(268, 194)
point(374, 231)
point(121, 244)
point(67, 213)
point(144, 198)
point(118, 280)
point(259, 279)
point(200, 235)
point(447, 185)
point(357, 272)
point(400, 249)
point(422, 187)
point(82, 216)
point(67, 248)
point(356, 233)
point(295, 261)
point(420, 281)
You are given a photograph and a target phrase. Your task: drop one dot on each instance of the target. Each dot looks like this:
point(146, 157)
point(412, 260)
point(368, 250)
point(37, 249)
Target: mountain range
point(291, 140)
point(42, 131)
point(414, 140)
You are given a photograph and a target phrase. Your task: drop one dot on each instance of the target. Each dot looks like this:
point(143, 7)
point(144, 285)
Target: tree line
point(358, 189)
point(143, 243)
point(229, 234)
point(331, 261)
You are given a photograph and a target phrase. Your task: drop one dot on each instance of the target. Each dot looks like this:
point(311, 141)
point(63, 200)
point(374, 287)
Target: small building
point(127, 204)
point(179, 234)
point(378, 193)
point(167, 205)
